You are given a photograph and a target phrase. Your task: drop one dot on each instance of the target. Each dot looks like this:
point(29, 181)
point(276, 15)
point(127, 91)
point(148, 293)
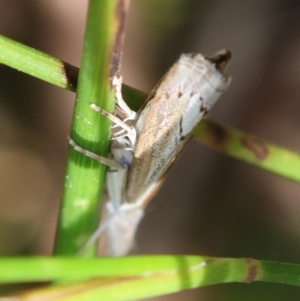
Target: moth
point(150, 141)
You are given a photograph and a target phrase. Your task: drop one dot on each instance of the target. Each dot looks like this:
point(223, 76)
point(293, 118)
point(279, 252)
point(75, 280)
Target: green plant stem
point(138, 276)
point(80, 208)
point(249, 148)
point(38, 64)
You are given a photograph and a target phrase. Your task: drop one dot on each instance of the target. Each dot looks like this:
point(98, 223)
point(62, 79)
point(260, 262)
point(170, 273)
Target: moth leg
point(119, 227)
point(121, 104)
point(95, 236)
point(111, 117)
point(111, 163)
point(126, 130)
point(104, 226)
point(122, 228)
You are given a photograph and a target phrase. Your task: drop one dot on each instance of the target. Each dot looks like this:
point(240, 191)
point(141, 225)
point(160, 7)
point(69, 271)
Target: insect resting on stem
point(145, 144)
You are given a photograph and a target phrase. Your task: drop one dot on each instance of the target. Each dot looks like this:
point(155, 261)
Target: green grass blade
point(80, 208)
point(139, 276)
point(251, 149)
point(38, 64)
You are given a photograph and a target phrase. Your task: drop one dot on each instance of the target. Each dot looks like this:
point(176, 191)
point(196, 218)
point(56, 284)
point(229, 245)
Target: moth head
point(220, 59)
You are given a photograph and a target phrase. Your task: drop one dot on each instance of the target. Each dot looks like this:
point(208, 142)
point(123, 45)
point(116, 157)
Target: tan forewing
point(184, 96)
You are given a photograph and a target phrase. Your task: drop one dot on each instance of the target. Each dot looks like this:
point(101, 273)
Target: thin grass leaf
point(251, 149)
point(137, 277)
point(38, 64)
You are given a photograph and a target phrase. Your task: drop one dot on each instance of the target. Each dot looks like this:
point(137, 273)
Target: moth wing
point(149, 193)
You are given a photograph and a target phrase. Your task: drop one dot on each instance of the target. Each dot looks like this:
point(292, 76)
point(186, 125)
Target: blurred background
point(210, 204)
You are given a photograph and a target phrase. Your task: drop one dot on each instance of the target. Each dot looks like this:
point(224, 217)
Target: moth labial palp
point(157, 135)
